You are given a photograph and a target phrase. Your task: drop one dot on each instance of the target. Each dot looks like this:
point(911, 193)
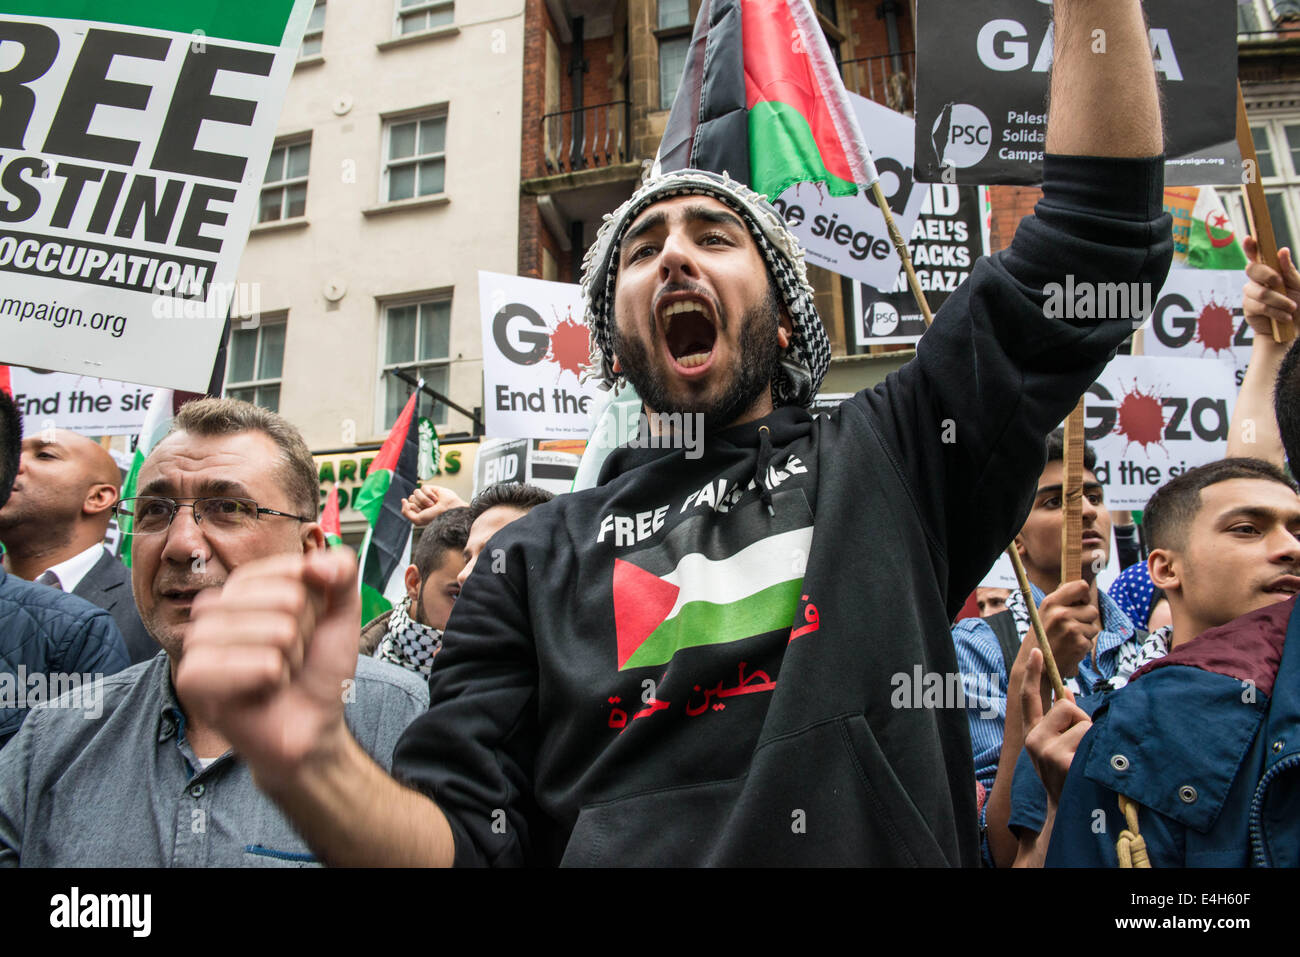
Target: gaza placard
point(1198, 315)
point(1150, 419)
point(982, 83)
point(134, 138)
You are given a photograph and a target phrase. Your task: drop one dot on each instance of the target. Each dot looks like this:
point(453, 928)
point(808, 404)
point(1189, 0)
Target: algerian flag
point(386, 551)
point(330, 522)
point(157, 423)
point(1211, 243)
point(708, 583)
point(761, 99)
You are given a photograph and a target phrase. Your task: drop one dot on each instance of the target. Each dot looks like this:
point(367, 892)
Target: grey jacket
point(106, 777)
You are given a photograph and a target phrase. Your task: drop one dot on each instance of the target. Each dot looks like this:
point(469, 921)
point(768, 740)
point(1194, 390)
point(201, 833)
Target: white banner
point(78, 403)
point(132, 150)
point(1198, 315)
point(848, 235)
point(534, 346)
point(1150, 419)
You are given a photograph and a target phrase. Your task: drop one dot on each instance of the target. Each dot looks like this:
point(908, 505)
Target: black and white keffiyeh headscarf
point(805, 362)
point(409, 643)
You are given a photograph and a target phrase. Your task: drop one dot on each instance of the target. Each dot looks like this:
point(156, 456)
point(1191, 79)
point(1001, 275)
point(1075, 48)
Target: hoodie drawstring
point(761, 467)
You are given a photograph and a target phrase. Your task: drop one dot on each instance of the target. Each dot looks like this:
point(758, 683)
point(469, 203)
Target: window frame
point(439, 414)
point(663, 34)
point(228, 385)
point(1266, 14)
point(400, 14)
point(309, 34)
point(282, 185)
point(1285, 182)
point(399, 119)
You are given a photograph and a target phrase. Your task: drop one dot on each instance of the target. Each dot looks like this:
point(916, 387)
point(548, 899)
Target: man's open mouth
point(689, 332)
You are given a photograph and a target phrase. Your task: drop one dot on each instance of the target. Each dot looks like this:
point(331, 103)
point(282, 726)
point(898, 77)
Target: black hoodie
point(659, 671)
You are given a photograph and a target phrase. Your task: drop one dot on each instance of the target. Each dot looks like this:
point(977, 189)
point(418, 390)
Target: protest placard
point(82, 404)
point(1198, 315)
point(1150, 419)
point(848, 235)
point(134, 135)
point(982, 82)
point(950, 234)
point(535, 345)
point(546, 463)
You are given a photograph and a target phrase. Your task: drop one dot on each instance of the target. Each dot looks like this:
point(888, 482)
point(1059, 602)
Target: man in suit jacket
point(108, 585)
point(53, 528)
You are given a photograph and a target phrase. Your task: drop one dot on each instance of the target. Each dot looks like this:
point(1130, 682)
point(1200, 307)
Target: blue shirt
point(110, 779)
point(985, 676)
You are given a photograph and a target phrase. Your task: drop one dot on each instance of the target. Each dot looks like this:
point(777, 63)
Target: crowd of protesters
point(1220, 544)
point(692, 661)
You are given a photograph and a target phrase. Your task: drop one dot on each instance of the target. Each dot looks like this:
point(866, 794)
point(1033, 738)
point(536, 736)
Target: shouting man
point(691, 662)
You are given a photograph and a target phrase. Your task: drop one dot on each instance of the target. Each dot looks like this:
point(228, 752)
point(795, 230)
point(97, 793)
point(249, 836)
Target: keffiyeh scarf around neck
point(409, 643)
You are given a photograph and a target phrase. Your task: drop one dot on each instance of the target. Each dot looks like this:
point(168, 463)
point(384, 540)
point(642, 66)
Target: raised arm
point(1269, 296)
point(1103, 103)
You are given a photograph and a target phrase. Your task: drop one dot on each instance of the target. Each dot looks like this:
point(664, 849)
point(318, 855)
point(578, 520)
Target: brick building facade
point(594, 111)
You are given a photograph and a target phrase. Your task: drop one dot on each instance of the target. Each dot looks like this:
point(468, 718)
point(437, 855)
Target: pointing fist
point(267, 657)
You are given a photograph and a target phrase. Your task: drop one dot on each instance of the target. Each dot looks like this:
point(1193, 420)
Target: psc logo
point(961, 135)
point(879, 319)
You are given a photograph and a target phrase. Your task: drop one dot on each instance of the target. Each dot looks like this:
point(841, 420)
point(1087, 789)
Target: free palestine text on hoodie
point(657, 671)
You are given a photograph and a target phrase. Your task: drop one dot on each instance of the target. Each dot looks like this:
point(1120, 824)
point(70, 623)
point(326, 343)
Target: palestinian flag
point(330, 522)
point(762, 100)
point(1211, 243)
point(157, 423)
point(711, 584)
point(387, 549)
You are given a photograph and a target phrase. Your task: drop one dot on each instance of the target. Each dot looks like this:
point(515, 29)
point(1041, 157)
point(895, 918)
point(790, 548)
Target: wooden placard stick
point(1072, 502)
point(1072, 498)
point(1049, 662)
point(900, 246)
point(1258, 219)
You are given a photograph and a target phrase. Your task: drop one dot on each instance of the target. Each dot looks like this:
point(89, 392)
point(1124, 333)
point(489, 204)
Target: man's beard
point(759, 360)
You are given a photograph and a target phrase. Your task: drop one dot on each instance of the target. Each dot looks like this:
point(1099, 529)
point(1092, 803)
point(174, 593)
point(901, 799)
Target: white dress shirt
point(71, 572)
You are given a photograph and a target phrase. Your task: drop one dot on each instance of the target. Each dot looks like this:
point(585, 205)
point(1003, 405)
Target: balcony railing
point(875, 78)
point(585, 138)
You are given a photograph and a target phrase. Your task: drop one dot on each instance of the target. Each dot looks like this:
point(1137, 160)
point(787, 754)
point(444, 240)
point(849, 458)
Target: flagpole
point(846, 124)
point(900, 246)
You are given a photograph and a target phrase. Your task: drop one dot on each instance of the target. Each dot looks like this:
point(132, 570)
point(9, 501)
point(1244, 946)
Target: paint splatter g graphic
point(1141, 418)
point(570, 348)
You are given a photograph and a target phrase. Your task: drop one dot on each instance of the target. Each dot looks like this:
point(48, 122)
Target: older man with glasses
point(145, 782)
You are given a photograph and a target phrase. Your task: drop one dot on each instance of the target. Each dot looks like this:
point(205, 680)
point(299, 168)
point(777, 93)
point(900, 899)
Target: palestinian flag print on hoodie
point(711, 583)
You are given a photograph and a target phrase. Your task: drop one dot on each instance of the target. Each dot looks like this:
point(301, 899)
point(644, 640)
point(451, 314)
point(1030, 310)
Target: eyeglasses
point(150, 514)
